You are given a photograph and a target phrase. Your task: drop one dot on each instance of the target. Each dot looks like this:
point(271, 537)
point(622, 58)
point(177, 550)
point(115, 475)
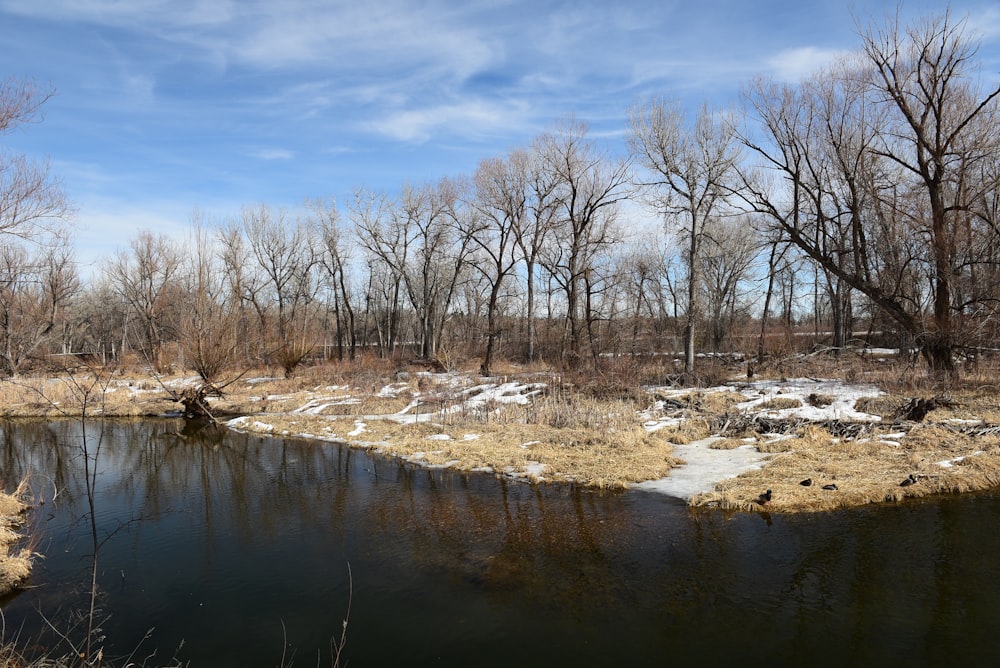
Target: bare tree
point(285, 255)
point(35, 289)
point(336, 259)
point(692, 166)
point(210, 329)
point(31, 201)
point(422, 242)
point(729, 252)
point(144, 276)
point(502, 200)
point(881, 158)
point(588, 188)
point(532, 231)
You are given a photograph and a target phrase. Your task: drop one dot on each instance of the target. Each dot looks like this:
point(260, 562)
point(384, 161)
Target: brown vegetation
point(15, 562)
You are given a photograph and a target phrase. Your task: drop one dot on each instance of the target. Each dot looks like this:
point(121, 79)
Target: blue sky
point(167, 106)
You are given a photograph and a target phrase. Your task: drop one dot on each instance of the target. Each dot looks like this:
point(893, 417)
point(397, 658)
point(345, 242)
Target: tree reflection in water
point(222, 538)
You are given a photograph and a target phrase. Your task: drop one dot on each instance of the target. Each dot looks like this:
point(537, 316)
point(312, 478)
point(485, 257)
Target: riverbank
point(15, 561)
point(816, 444)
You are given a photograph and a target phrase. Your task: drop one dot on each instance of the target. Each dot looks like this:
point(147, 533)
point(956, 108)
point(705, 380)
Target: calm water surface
point(235, 548)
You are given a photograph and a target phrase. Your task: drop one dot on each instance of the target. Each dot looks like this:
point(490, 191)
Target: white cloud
point(469, 118)
point(793, 65)
point(270, 154)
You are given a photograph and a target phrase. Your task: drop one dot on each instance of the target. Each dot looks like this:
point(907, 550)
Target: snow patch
point(703, 468)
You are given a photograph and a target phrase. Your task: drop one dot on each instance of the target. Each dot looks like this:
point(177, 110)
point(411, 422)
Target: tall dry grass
point(15, 561)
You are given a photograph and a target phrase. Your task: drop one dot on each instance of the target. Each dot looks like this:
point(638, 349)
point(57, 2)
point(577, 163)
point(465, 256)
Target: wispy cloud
point(472, 117)
point(796, 64)
point(270, 154)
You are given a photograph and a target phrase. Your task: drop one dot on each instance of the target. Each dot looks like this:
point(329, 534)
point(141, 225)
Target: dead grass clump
point(732, 443)
point(15, 566)
point(563, 410)
point(931, 437)
point(693, 429)
point(717, 403)
point(774, 445)
point(885, 406)
point(779, 403)
point(819, 400)
point(378, 405)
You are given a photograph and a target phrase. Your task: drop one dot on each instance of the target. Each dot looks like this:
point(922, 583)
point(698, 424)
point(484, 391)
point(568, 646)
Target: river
point(228, 549)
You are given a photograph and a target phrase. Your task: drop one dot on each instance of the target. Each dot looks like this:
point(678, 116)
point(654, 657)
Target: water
point(241, 550)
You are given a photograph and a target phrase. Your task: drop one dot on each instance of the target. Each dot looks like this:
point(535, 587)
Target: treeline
point(865, 197)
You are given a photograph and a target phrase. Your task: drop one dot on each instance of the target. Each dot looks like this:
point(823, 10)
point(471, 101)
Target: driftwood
point(731, 424)
point(917, 409)
point(735, 425)
point(195, 401)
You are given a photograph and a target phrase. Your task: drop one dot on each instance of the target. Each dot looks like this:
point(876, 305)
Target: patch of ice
point(439, 437)
point(534, 468)
point(704, 468)
point(948, 463)
point(317, 406)
point(392, 391)
point(959, 422)
point(841, 407)
point(653, 425)
point(359, 428)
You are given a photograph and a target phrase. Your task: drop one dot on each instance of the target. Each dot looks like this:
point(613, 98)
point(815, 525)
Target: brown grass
point(15, 564)
point(864, 470)
point(778, 404)
point(602, 458)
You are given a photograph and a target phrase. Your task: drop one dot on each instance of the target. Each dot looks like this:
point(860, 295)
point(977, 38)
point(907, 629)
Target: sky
point(167, 107)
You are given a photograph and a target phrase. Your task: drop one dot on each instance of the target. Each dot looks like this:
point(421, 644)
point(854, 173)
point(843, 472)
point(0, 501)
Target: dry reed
point(15, 563)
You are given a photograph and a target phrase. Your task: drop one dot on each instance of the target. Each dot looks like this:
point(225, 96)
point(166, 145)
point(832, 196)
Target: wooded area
point(859, 206)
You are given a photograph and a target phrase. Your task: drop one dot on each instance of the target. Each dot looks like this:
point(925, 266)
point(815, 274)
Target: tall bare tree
point(533, 230)
point(502, 195)
point(336, 260)
point(692, 169)
point(880, 159)
point(211, 331)
point(589, 185)
point(285, 255)
point(424, 241)
point(145, 275)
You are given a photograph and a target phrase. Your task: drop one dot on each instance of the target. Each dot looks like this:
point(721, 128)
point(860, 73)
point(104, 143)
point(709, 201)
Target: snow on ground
point(480, 396)
point(812, 394)
point(948, 463)
point(317, 406)
point(704, 468)
point(820, 400)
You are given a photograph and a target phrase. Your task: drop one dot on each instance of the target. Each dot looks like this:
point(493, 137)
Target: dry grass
point(15, 564)
point(867, 470)
point(602, 458)
point(779, 403)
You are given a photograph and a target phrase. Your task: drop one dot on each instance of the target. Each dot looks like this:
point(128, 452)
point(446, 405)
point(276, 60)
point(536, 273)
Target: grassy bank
point(15, 561)
point(606, 430)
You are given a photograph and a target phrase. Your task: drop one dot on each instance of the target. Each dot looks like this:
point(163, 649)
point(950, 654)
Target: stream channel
point(235, 550)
